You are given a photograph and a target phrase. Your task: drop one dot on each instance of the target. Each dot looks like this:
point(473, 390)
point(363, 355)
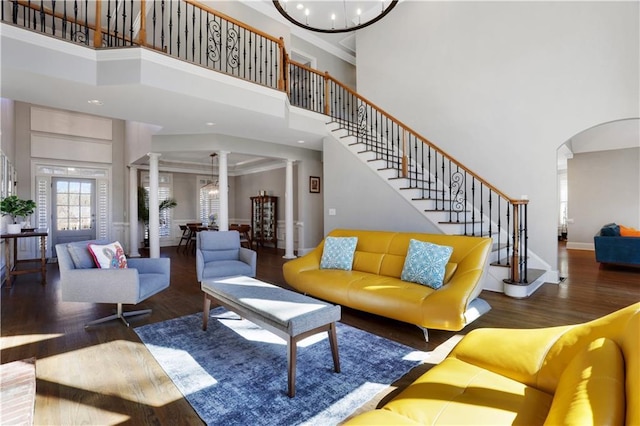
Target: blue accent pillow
point(338, 253)
point(610, 230)
point(425, 263)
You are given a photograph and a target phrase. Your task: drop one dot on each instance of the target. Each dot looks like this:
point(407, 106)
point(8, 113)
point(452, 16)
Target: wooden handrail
point(327, 76)
point(425, 141)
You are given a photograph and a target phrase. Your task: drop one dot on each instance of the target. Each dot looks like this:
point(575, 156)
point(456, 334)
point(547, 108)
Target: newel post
point(518, 230)
point(142, 34)
point(97, 34)
point(285, 65)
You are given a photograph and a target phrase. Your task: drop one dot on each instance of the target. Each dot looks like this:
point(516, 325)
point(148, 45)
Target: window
point(165, 191)
point(208, 203)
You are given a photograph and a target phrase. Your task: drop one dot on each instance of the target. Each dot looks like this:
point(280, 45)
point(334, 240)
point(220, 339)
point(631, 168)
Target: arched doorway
point(598, 181)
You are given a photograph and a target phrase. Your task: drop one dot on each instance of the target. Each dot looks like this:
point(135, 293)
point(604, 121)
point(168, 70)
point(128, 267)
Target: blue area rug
point(235, 373)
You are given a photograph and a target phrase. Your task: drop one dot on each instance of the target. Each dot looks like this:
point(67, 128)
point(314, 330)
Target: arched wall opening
point(598, 181)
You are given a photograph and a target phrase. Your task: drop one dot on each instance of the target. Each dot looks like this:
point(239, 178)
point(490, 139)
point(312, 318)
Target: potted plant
point(16, 208)
point(143, 210)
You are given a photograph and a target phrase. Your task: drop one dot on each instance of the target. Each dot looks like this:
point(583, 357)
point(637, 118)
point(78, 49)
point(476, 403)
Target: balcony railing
point(193, 32)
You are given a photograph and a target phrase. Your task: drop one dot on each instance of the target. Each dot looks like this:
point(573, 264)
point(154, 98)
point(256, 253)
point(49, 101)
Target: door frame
point(42, 172)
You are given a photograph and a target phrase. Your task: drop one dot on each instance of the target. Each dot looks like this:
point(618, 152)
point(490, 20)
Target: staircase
point(433, 202)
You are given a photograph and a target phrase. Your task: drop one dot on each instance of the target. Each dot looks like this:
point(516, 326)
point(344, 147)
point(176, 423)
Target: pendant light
point(212, 187)
point(334, 16)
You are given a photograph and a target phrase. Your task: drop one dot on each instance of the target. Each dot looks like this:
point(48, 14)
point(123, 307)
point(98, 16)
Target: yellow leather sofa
point(585, 374)
point(374, 285)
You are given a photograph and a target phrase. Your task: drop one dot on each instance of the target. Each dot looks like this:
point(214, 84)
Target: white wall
point(361, 198)
point(603, 188)
point(310, 205)
point(501, 85)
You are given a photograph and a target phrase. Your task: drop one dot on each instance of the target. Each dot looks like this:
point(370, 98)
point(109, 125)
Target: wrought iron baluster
point(186, 31)
point(124, 24)
point(131, 14)
point(42, 17)
point(178, 41)
point(154, 17)
point(422, 169)
point(53, 17)
point(86, 22)
point(109, 22)
point(193, 39)
point(472, 204)
point(170, 27)
point(260, 79)
point(64, 19)
point(162, 10)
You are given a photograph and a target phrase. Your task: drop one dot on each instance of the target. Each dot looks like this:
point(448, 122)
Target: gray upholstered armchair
point(219, 254)
point(82, 281)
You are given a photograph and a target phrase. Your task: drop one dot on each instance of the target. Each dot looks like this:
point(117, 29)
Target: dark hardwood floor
point(104, 375)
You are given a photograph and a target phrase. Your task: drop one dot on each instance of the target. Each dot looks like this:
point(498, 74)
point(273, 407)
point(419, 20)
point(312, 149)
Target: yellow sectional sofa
point(585, 374)
point(374, 285)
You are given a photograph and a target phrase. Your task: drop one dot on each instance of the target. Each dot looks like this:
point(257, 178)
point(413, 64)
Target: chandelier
point(212, 188)
point(326, 16)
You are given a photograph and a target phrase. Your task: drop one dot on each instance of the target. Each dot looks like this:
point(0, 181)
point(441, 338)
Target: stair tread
point(459, 223)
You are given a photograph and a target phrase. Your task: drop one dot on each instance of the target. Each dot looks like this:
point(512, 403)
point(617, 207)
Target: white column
point(133, 212)
point(154, 202)
point(288, 212)
point(223, 182)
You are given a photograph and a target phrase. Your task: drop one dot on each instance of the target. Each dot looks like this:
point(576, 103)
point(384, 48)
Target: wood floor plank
point(105, 375)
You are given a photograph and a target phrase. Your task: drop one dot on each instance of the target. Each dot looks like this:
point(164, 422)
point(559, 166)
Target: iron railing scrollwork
point(195, 33)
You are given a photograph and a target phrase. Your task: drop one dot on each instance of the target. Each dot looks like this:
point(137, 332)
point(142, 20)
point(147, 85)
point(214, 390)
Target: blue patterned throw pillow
point(338, 253)
point(425, 263)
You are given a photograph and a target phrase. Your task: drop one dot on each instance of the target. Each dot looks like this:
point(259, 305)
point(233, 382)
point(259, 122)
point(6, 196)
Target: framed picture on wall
point(314, 184)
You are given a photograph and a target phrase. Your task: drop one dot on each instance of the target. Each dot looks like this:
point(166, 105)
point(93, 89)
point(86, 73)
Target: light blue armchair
point(219, 254)
point(82, 281)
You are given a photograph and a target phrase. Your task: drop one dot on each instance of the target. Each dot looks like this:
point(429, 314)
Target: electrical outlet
point(332, 212)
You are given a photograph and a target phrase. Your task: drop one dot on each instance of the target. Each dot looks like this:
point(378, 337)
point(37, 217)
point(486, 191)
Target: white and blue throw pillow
point(425, 263)
point(338, 253)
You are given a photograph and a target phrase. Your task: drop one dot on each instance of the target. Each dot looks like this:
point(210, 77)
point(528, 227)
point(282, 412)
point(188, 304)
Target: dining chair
point(184, 237)
point(245, 234)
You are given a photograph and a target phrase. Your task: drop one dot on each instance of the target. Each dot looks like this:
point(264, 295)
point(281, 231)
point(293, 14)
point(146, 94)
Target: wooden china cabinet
point(264, 220)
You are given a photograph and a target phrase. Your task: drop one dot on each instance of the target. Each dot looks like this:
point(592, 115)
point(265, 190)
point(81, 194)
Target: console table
point(11, 266)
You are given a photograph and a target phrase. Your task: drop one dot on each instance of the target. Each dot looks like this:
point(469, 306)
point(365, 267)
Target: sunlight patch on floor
point(118, 369)
point(74, 412)
point(252, 332)
point(25, 339)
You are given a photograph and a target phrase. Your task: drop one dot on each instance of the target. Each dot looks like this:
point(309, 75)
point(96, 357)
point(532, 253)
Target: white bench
point(290, 315)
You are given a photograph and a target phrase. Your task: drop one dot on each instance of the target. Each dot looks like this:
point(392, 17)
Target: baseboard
point(580, 246)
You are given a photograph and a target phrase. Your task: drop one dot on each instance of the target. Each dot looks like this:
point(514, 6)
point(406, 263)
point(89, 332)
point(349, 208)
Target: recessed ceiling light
point(95, 102)
point(210, 123)
point(299, 6)
point(300, 141)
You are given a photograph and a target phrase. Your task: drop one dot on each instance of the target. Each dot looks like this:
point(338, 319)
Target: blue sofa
point(615, 249)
